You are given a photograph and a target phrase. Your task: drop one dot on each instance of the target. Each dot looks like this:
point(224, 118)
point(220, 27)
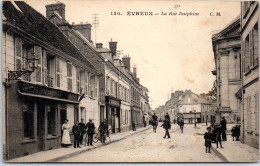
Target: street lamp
point(32, 63)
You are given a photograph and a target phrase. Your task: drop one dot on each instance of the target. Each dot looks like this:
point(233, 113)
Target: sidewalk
point(61, 153)
point(232, 151)
point(235, 151)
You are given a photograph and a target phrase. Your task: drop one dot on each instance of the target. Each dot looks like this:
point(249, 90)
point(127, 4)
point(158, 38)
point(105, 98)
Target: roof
point(35, 24)
point(103, 50)
point(231, 30)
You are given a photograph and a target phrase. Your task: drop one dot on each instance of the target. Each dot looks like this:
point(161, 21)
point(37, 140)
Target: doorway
point(40, 126)
point(63, 117)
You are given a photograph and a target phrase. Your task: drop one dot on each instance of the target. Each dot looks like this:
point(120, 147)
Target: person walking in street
point(133, 126)
point(103, 129)
point(168, 117)
point(82, 130)
point(77, 133)
point(65, 142)
point(154, 122)
point(166, 125)
point(181, 123)
point(223, 124)
point(208, 139)
point(90, 127)
point(218, 132)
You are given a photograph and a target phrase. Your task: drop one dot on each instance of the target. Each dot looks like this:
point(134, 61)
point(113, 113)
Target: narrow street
point(149, 146)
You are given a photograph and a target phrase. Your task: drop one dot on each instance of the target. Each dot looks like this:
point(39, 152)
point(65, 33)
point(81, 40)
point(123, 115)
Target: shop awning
point(47, 97)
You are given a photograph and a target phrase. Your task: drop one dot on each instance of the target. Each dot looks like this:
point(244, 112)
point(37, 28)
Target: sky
point(171, 52)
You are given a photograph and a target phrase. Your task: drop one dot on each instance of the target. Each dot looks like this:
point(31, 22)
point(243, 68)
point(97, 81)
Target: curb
point(220, 155)
point(89, 149)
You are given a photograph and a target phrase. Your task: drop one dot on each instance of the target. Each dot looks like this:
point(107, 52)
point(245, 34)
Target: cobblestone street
point(149, 146)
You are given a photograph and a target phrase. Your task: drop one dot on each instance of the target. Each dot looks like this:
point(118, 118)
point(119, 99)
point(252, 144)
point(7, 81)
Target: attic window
point(16, 7)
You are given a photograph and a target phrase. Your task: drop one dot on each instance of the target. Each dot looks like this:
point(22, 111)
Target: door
point(113, 120)
point(40, 126)
point(63, 117)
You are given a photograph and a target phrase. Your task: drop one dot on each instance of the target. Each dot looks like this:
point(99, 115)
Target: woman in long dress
point(66, 135)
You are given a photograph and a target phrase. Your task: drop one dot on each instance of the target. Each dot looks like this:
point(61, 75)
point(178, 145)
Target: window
point(249, 113)
point(119, 91)
point(86, 82)
point(246, 55)
point(112, 86)
point(38, 72)
point(69, 75)
point(18, 54)
point(82, 82)
point(44, 68)
point(58, 73)
point(255, 42)
point(28, 120)
point(96, 87)
point(77, 80)
point(92, 86)
point(51, 120)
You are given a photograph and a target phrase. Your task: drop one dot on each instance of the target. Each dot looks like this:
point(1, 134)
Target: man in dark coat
point(223, 124)
point(103, 129)
point(82, 130)
point(181, 123)
point(90, 127)
point(76, 132)
point(166, 125)
point(217, 130)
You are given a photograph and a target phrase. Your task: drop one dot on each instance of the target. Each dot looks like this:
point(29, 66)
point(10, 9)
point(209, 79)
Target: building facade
point(37, 102)
point(249, 93)
point(227, 56)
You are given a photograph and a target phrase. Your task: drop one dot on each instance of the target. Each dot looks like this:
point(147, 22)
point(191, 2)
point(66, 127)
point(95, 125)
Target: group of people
point(217, 135)
point(80, 131)
point(166, 124)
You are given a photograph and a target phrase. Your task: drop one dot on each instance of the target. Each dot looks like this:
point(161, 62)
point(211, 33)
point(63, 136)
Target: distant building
point(249, 93)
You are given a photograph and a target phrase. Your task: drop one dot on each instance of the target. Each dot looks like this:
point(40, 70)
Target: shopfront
point(35, 115)
point(113, 114)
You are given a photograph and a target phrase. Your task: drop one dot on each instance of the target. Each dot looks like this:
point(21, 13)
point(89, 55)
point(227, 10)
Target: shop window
point(51, 120)
point(28, 121)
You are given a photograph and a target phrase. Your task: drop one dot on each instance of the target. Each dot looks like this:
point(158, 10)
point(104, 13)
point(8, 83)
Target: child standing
point(208, 139)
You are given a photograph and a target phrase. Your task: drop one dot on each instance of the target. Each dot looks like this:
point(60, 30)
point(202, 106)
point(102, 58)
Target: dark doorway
point(40, 126)
point(63, 117)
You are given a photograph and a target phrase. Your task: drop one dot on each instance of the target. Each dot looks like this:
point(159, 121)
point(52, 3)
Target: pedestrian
point(208, 139)
point(65, 142)
point(223, 124)
point(77, 134)
point(218, 132)
point(234, 132)
point(144, 123)
point(181, 123)
point(237, 132)
point(90, 127)
point(82, 130)
point(166, 126)
point(168, 117)
point(103, 129)
point(154, 122)
point(133, 126)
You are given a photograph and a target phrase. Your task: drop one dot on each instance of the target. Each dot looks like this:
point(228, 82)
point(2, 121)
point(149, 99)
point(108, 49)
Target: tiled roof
point(36, 25)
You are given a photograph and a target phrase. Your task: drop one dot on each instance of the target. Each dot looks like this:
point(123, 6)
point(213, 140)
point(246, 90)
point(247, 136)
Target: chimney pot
point(58, 7)
point(99, 45)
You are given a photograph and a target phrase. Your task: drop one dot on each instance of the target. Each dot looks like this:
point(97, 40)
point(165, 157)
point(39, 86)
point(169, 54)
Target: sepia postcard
point(130, 81)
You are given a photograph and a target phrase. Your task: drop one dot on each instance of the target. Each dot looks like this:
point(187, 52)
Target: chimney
point(126, 62)
point(84, 29)
point(134, 72)
point(113, 47)
point(57, 7)
point(99, 45)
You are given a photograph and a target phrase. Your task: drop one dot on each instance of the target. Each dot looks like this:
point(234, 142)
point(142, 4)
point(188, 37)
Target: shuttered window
point(18, 54)
point(58, 73)
point(257, 112)
point(107, 85)
point(69, 75)
point(86, 83)
point(249, 113)
point(44, 67)
point(77, 79)
point(96, 87)
point(246, 55)
point(38, 54)
point(82, 82)
point(255, 44)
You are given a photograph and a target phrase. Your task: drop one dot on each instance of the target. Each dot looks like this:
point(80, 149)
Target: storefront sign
point(46, 91)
